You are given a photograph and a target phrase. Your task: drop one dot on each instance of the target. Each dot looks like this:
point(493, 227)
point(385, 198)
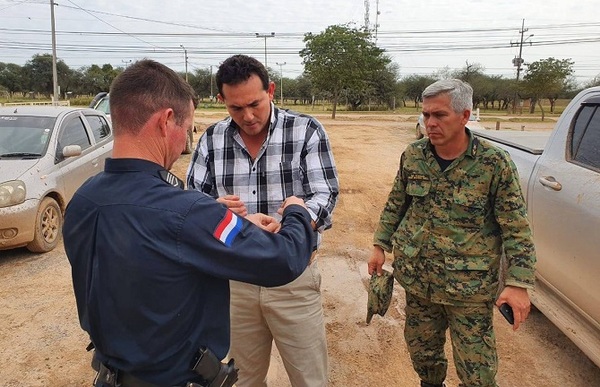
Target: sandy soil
point(41, 343)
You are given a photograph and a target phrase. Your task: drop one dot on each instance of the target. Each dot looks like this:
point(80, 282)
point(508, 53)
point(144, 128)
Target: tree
point(200, 81)
point(469, 72)
point(305, 89)
point(38, 73)
point(593, 82)
point(11, 78)
point(380, 87)
point(414, 85)
point(547, 78)
point(341, 58)
point(95, 79)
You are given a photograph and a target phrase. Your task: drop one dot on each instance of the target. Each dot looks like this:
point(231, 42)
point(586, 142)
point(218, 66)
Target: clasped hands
point(266, 222)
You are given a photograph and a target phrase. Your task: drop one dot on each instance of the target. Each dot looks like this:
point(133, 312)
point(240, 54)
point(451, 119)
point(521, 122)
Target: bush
point(81, 101)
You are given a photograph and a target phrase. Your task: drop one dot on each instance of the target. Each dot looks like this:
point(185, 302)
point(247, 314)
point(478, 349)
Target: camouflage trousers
point(471, 333)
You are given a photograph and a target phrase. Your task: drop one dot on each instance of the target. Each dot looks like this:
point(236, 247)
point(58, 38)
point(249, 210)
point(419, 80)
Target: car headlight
point(12, 193)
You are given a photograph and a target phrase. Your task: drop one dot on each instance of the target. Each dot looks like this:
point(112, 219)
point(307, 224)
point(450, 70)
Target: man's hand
point(266, 222)
point(234, 203)
point(289, 201)
point(376, 261)
point(518, 299)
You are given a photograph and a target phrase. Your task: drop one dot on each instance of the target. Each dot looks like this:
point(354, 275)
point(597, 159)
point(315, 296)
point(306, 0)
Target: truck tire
point(48, 227)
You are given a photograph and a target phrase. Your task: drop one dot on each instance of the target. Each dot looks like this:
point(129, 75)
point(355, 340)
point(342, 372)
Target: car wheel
point(48, 227)
point(418, 133)
point(189, 144)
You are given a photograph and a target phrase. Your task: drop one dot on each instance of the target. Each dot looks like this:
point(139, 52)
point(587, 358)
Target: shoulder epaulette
point(171, 179)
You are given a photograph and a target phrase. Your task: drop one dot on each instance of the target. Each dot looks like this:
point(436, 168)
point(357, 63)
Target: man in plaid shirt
point(251, 162)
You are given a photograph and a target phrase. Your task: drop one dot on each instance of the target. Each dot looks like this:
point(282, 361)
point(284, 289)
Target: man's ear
point(166, 119)
point(271, 90)
point(220, 98)
point(465, 116)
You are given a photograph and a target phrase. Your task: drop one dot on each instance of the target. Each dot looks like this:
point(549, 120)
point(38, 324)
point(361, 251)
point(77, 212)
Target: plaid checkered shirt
point(295, 159)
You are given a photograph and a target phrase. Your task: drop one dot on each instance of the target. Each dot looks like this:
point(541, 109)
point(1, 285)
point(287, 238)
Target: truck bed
point(531, 142)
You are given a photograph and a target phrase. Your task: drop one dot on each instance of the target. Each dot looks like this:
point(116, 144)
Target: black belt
point(109, 378)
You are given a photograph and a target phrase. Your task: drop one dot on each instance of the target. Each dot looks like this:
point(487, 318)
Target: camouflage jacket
point(448, 229)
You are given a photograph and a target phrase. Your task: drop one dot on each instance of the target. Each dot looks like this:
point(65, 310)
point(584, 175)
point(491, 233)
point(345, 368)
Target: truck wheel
point(48, 227)
point(189, 144)
point(418, 133)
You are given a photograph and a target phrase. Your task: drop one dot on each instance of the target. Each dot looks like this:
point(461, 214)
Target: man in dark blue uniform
point(151, 262)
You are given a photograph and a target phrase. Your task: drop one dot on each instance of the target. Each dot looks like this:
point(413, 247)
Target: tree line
point(342, 65)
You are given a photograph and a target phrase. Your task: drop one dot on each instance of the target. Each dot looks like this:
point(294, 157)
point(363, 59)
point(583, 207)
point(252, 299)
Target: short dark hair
point(144, 88)
point(237, 69)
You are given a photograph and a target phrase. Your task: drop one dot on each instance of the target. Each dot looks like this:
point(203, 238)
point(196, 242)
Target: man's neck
point(254, 143)
point(453, 149)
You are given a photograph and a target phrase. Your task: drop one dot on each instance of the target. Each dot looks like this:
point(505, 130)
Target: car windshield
point(24, 136)
point(104, 105)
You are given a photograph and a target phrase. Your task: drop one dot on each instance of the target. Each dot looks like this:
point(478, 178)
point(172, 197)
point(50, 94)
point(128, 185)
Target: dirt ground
point(41, 343)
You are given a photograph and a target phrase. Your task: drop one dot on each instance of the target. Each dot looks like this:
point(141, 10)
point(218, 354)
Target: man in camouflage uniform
point(455, 206)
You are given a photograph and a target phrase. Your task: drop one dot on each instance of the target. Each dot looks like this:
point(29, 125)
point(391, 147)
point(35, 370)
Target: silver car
point(46, 153)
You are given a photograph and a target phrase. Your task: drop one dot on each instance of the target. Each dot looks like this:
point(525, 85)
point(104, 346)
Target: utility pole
point(127, 62)
point(186, 61)
point(281, 79)
point(377, 13)
point(518, 62)
point(367, 13)
point(272, 34)
point(54, 72)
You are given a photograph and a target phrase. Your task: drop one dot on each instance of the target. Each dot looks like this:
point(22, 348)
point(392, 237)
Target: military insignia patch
point(171, 179)
point(228, 228)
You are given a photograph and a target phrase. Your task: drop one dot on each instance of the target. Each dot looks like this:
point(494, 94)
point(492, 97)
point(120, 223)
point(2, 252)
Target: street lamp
point(272, 34)
point(281, 79)
point(186, 60)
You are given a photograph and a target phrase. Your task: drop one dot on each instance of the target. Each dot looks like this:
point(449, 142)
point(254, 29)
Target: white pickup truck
point(560, 176)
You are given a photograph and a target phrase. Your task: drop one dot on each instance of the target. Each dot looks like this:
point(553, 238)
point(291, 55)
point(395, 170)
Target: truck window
point(585, 139)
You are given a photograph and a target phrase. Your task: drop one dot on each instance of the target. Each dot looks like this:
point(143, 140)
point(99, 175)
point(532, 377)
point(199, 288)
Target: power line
point(107, 23)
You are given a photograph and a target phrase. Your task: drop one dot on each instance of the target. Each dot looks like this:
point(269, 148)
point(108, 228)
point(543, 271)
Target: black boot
point(425, 384)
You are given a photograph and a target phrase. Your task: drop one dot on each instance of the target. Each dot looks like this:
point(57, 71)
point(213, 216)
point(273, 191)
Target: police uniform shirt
point(151, 263)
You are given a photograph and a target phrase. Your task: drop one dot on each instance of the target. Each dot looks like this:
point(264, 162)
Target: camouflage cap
point(380, 294)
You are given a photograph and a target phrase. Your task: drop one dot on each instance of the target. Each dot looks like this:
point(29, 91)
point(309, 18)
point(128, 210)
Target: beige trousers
point(290, 315)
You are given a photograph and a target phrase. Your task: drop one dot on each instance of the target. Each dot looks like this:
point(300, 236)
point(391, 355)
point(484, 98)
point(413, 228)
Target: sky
point(421, 37)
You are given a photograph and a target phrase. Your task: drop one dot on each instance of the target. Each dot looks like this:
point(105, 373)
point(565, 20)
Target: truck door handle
point(550, 182)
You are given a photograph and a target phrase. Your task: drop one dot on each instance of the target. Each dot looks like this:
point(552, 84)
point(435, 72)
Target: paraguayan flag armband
point(228, 228)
